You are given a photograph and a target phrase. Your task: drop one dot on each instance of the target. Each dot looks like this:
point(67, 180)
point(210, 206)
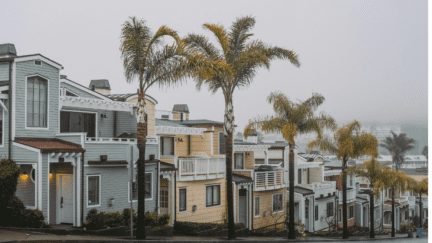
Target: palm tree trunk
point(229, 126)
point(344, 203)
point(291, 228)
point(141, 135)
point(372, 209)
point(393, 212)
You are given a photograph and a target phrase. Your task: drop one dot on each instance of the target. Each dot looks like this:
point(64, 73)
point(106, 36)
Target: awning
point(51, 145)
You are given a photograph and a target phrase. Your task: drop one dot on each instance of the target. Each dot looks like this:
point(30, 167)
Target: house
point(363, 191)
point(65, 138)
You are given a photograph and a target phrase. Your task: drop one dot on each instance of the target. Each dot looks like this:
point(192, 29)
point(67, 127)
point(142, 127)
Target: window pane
point(182, 193)
point(238, 160)
point(93, 190)
point(208, 195)
point(215, 195)
point(134, 190)
point(148, 188)
point(221, 143)
point(257, 206)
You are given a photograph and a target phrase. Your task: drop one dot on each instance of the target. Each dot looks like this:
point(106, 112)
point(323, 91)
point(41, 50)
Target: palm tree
point(233, 66)
point(147, 58)
point(292, 119)
point(425, 151)
point(348, 143)
point(373, 172)
point(392, 179)
point(398, 145)
point(420, 188)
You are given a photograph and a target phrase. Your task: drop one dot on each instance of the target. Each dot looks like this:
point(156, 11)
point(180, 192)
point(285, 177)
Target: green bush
point(95, 220)
point(9, 173)
point(17, 215)
point(33, 218)
point(404, 227)
point(114, 219)
point(163, 220)
point(192, 227)
point(126, 217)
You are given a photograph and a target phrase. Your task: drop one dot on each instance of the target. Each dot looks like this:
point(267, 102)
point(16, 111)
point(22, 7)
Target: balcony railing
point(332, 172)
point(201, 169)
point(269, 180)
point(128, 140)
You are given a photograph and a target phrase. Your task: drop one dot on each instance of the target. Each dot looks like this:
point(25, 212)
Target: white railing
point(351, 195)
point(411, 200)
point(127, 140)
point(303, 165)
point(201, 169)
point(332, 172)
point(269, 180)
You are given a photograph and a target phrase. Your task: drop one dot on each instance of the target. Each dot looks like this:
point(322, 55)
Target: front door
point(243, 207)
point(164, 200)
point(66, 199)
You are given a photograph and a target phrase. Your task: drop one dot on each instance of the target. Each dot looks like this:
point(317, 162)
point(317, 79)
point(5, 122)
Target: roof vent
point(38, 62)
point(7, 50)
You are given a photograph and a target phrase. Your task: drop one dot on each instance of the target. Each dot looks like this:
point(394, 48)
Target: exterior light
point(24, 176)
point(50, 175)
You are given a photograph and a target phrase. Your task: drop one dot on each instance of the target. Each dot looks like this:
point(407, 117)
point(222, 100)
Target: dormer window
point(36, 106)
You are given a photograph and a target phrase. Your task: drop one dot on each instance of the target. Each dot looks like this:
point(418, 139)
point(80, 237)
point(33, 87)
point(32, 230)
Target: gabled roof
point(38, 56)
point(167, 123)
point(50, 145)
point(310, 157)
point(83, 88)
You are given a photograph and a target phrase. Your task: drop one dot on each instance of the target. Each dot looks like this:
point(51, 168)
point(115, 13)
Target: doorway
point(307, 215)
point(243, 207)
point(65, 198)
point(164, 200)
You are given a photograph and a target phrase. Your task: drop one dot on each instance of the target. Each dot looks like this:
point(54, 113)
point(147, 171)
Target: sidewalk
point(11, 236)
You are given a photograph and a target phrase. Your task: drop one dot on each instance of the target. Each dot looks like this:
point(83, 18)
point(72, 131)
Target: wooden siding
point(23, 70)
point(266, 205)
point(195, 195)
point(4, 149)
point(26, 187)
point(4, 71)
point(114, 184)
point(151, 115)
point(79, 92)
point(115, 151)
point(24, 155)
point(126, 122)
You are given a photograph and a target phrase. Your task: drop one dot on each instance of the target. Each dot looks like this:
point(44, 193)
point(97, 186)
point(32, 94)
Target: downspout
point(308, 176)
point(158, 188)
point(189, 144)
point(175, 197)
point(313, 205)
point(10, 110)
point(82, 190)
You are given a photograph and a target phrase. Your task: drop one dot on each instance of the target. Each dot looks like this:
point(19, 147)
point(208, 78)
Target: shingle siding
point(4, 71)
point(78, 91)
point(26, 69)
point(26, 187)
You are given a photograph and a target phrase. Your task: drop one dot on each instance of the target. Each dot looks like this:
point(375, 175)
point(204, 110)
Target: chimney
point(101, 86)
point(7, 50)
point(180, 112)
point(252, 138)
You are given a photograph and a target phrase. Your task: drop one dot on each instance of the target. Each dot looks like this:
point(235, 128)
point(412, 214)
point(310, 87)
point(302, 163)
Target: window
point(340, 215)
point(277, 202)
point(78, 122)
point(167, 145)
point(299, 176)
point(351, 212)
point(182, 199)
point(164, 197)
point(329, 209)
point(212, 195)
point(68, 93)
point(351, 180)
point(239, 161)
point(257, 206)
point(221, 143)
point(134, 190)
point(148, 188)
point(316, 213)
point(259, 161)
point(1, 125)
point(37, 102)
point(33, 175)
point(387, 218)
point(93, 190)
point(307, 211)
point(38, 62)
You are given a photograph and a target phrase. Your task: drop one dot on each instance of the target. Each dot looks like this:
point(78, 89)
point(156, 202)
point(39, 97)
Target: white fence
point(201, 169)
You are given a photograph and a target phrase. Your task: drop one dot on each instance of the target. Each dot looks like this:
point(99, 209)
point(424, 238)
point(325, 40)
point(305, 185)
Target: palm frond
point(239, 34)
point(221, 35)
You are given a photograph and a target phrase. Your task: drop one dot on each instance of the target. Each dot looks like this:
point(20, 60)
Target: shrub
point(163, 220)
point(17, 215)
point(126, 217)
point(191, 227)
point(33, 218)
point(114, 219)
point(416, 220)
point(9, 173)
point(96, 220)
point(404, 227)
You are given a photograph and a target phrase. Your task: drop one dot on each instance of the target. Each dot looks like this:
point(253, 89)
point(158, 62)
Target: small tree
point(9, 173)
point(421, 188)
point(276, 217)
point(331, 222)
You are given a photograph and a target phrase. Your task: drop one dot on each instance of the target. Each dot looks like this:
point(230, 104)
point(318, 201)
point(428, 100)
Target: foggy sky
point(368, 58)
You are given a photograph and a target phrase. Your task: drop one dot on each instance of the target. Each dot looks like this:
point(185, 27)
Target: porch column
point(78, 190)
point(266, 157)
point(250, 205)
point(172, 199)
point(301, 210)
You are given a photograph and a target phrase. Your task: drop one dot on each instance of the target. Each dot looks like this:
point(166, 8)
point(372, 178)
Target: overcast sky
point(368, 58)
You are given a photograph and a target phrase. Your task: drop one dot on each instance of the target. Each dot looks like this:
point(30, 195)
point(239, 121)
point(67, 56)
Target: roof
point(310, 157)
point(418, 171)
point(200, 122)
point(168, 169)
point(7, 49)
point(181, 108)
point(167, 123)
point(37, 54)
point(241, 142)
point(100, 84)
point(278, 145)
point(389, 202)
point(50, 145)
point(361, 200)
point(108, 162)
point(303, 191)
point(241, 178)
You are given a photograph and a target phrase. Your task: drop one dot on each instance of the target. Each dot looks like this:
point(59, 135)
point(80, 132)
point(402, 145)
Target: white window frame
point(244, 160)
point(185, 211)
point(66, 90)
point(282, 209)
point(174, 145)
point(3, 130)
point(255, 206)
point(25, 103)
point(220, 195)
point(34, 63)
point(30, 175)
point(100, 191)
point(147, 199)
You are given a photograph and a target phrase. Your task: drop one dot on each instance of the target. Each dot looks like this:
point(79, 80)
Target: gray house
point(70, 143)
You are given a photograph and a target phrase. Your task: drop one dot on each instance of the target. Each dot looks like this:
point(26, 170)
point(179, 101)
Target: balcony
point(351, 195)
point(201, 169)
point(304, 165)
point(269, 180)
point(332, 172)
